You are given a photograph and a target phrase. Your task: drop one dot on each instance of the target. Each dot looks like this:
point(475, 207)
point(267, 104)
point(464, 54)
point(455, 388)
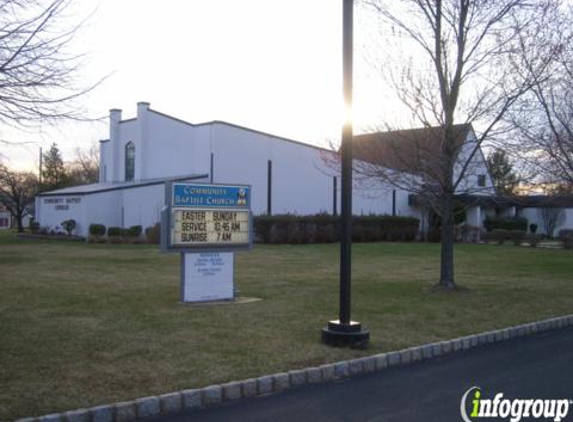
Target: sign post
point(205, 223)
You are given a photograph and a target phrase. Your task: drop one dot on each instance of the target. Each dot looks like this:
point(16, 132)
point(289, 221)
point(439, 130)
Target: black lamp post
point(344, 331)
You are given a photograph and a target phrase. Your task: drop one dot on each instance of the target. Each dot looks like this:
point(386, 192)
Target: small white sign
point(207, 276)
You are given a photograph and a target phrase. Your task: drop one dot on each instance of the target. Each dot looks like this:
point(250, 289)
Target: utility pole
point(344, 331)
point(40, 174)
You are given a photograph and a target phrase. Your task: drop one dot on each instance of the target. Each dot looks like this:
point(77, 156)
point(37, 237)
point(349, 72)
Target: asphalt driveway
point(539, 366)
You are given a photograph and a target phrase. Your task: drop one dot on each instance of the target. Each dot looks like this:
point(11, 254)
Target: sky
point(272, 65)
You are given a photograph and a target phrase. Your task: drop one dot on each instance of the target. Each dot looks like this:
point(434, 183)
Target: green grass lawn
point(82, 324)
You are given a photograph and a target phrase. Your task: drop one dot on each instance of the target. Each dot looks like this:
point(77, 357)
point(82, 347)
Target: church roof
point(495, 201)
point(110, 186)
point(407, 150)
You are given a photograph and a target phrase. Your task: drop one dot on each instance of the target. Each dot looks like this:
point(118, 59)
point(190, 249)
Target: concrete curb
point(176, 402)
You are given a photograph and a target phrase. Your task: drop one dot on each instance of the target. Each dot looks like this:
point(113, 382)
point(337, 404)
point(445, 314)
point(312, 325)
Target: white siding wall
point(241, 157)
point(175, 148)
point(142, 206)
point(51, 211)
point(300, 182)
point(114, 208)
point(474, 217)
point(7, 217)
point(372, 199)
point(103, 208)
point(476, 167)
point(533, 215)
point(377, 198)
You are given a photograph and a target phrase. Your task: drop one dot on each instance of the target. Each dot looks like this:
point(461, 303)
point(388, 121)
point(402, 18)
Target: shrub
point(296, 234)
point(69, 225)
point(533, 228)
point(115, 239)
point(96, 239)
point(262, 225)
point(500, 235)
point(277, 235)
point(366, 229)
point(434, 235)
point(153, 234)
point(325, 233)
point(358, 234)
point(533, 240)
point(136, 240)
point(373, 233)
point(134, 231)
point(505, 223)
point(97, 229)
point(391, 228)
point(462, 233)
point(34, 226)
point(467, 233)
point(324, 228)
point(566, 238)
point(517, 236)
point(114, 231)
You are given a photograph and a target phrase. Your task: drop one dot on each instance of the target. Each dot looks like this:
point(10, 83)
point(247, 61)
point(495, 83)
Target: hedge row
point(505, 223)
point(566, 238)
point(100, 230)
point(97, 234)
point(501, 235)
point(324, 228)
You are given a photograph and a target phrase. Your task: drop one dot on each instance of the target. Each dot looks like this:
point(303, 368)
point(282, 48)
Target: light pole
point(344, 331)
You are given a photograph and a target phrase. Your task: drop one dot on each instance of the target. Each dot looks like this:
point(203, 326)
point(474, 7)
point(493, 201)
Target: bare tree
point(462, 62)
point(17, 192)
point(38, 71)
point(551, 218)
point(545, 117)
point(84, 169)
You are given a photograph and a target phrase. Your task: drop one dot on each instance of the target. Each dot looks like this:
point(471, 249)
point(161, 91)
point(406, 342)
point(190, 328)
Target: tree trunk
point(19, 223)
point(447, 256)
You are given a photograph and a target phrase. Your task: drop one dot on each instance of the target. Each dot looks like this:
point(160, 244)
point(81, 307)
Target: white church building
point(286, 176)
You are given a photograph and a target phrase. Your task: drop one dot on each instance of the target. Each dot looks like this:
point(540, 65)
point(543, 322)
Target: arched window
point(129, 161)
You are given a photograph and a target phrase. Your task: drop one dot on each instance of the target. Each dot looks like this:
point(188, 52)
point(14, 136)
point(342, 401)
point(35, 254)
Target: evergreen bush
point(97, 229)
point(134, 231)
point(114, 231)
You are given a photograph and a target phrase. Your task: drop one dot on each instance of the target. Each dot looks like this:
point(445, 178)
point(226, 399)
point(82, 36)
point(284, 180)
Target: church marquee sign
point(206, 217)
